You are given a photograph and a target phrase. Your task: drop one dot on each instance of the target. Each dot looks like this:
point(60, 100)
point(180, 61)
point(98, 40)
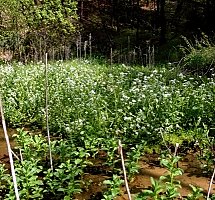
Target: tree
point(39, 24)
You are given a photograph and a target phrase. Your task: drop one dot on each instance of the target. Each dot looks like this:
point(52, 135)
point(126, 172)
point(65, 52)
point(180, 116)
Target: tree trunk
point(162, 22)
point(138, 23)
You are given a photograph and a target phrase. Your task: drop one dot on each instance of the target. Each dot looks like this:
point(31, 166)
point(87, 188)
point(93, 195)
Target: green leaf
point(78, 161)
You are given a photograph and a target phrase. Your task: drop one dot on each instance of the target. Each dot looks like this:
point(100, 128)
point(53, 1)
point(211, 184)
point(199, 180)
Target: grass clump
point(199, 57)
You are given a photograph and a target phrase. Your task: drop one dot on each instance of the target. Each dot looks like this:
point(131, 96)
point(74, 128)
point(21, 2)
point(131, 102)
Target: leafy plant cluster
point(92, 106)
point(167, 187)
point(28, 27)
point(88, 99)
point(199, 55)
point(35, 179)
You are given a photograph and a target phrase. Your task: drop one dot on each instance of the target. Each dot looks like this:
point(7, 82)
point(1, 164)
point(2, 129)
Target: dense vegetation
point(91, 106)
point(30, 28)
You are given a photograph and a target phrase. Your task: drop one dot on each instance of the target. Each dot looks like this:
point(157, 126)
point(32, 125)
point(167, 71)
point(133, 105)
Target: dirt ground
point(3, 146)
point(193, 174)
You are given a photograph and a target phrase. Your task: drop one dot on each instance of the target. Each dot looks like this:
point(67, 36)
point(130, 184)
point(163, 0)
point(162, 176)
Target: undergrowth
point(92, 106)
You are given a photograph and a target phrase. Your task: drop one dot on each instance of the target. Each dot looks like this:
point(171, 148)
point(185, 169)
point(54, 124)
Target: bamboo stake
point(210, 185)
point(77, 48)
point(124, 170)
point(9, 152)
point(111, 56)
point(80, 50)
point(15, 155)
point(176, 149)
point(47, 114)
point(90, 45)
point(20, 152)
point(85, 49)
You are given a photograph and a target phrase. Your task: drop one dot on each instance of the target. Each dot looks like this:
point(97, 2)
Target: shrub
point(199, 56)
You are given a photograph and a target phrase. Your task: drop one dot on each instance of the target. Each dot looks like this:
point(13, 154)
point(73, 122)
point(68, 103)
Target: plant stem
point(47, 114)
point(9, 151)
point(124, 170)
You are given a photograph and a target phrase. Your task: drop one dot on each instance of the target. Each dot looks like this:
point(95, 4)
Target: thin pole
point(210, 185)
point(80, 46)
point(111, 56)
point(124, 170)
point(9, 152)
point(90, 45)
point(47, 114)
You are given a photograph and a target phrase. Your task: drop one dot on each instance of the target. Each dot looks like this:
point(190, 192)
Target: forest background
point(126, 30)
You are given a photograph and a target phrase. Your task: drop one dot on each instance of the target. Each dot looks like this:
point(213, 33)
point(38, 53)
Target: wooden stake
point(111, 56)
point(9, 152)
point(210, 185)
point(47, 114)
point(124, 170)
point(80, 50)
point(90, 45)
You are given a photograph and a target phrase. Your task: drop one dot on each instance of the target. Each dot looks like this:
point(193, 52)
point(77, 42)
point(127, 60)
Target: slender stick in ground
point(47, 113)
point(9, 151)
point(15, 155)
point(124, 170)
point(111, 56)
point(80, 45)
point(90, 45)
point(176, 152)
point(210, 185)
point(176, 149)
point(77, 48)
point(85, 50)
point(20, 152)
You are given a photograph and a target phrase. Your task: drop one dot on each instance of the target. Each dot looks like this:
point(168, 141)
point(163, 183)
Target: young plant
point(172, 185)
point(32, 146)
point(113, 188)
point(197, 193)
point(132, 159)
point(154, 193)
point(5, 181)
point(29, 183)
point(64, 181)
point(167, 186)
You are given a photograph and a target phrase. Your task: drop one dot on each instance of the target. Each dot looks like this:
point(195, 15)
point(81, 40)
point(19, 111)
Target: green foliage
point(154, 193)
point(54, 15)
point(199, 57)
point(167, 186)
point(196, 194)
point(172, 185)
point(91, 107)
point(5, 181)
point(30, 26)
point(132, 159)
point(29, 184)
point(32, 146)
point(34, 178)
point(63, 182)
point(113, 187)
point(90, 99)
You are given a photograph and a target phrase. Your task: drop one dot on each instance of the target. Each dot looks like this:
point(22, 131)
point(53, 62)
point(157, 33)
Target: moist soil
point(149, 167)
point(3, 146)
